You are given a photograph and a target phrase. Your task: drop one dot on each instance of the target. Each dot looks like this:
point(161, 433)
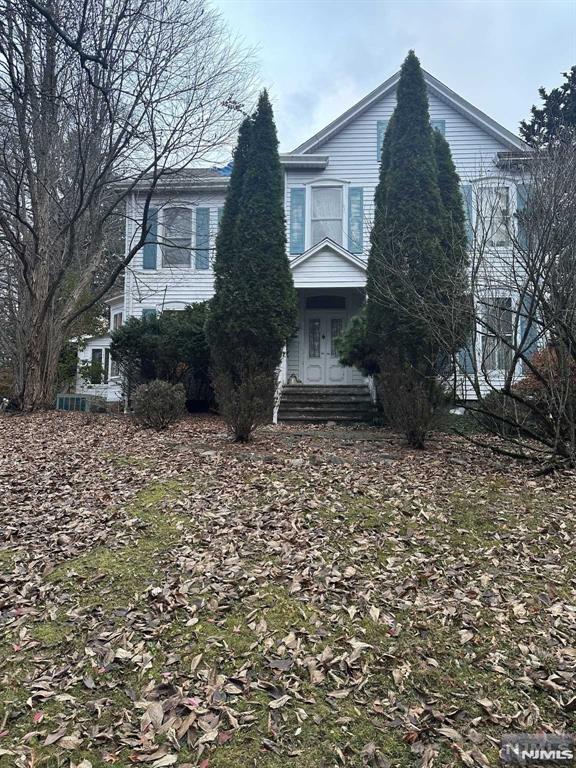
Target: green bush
point(158, 404)
point(353, 347)
point(171, 347)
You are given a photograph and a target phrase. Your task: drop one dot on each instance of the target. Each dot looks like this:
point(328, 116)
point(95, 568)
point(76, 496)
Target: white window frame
point(494, 182)
point(335, 183)
point(163, 239)
point(485, 302)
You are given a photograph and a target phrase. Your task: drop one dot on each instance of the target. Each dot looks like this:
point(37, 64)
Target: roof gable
point(444, 93)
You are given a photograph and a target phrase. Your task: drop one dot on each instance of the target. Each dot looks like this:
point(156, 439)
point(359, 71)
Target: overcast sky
point(318, 57)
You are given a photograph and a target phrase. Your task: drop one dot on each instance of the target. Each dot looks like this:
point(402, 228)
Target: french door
point(321, 331)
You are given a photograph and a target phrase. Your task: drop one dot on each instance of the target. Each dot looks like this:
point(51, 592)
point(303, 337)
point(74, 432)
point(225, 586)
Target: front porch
point(312, 355)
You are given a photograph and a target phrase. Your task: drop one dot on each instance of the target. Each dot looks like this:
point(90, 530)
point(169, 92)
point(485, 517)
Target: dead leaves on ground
point(324, 593)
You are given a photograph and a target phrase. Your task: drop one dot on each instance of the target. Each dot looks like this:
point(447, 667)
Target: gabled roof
point(435, 86)
point(331, 245)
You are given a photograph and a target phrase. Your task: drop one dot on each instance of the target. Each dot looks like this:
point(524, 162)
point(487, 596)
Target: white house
point(330, 181)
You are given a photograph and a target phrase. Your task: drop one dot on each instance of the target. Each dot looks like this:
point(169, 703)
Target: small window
point(117, 321)
point(327, 212)
point(495, 210)
point(498, 333)
point(177, 237)
point(148, 313)
point(326, 302)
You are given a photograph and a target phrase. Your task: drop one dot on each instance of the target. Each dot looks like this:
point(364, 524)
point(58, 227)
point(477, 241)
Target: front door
point(321, 365)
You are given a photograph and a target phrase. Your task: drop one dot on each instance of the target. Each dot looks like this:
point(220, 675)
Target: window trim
point(213, 225)
point(493, 182)
point(315, 184)
point(486, 303)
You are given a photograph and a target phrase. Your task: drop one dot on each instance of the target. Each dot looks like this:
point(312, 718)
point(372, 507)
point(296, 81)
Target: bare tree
point(97, 98)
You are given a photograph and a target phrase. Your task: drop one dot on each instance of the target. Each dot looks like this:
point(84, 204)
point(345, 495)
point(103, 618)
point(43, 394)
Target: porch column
point(282, 375)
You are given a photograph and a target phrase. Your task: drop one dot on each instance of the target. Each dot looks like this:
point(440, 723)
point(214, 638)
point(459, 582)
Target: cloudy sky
point(318, 57)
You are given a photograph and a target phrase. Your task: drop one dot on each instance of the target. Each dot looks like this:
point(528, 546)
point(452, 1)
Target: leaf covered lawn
point(320, 598)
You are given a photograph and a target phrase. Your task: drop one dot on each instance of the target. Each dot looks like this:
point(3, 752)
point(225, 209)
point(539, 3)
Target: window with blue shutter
point(522, 191)
point(151, 240)
point(297, 219)
point(380, 133)
point(466, 190)
point(465, 357)
point(355, 219)
point(439, 125)
point(202, 238)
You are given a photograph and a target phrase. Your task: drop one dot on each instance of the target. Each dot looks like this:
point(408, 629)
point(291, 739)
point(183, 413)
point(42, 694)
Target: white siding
point(327, 269)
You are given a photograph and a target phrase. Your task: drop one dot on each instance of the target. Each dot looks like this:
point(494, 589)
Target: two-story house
point(330, 181)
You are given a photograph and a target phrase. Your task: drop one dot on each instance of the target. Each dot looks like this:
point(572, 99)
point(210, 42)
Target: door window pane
point(177, 244)
point(336, 325)
point(327, 211)
point(314, 338)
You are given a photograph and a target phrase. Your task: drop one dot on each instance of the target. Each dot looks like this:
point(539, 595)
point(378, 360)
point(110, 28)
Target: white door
point(321, 330)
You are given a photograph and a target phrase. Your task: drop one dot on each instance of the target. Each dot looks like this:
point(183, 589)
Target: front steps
point(318, 404)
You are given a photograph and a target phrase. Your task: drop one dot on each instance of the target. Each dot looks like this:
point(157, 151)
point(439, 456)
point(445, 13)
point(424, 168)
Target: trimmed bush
point(158, 404)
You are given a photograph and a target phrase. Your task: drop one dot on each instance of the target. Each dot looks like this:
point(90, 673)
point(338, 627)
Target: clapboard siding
point(328, 269)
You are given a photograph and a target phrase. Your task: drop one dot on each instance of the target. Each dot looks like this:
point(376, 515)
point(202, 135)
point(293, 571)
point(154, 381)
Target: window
point(96, 367)
point(148, 313)
point(327, 213)
point(495, 209)
point(116, 321)
point(177, 237)
point(498, 332)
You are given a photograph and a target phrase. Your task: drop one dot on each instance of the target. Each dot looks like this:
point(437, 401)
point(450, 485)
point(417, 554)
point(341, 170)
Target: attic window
point(326, 302)
point(437, 125)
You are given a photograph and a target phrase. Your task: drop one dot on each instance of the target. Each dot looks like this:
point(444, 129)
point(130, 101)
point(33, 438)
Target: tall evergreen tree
point(558, 112)
point(254, 309)
point(416, 259)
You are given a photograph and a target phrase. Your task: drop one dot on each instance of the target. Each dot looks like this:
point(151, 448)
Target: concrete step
point(322, 399)
point(356, 389)
point(325, 405)
point(322, 418)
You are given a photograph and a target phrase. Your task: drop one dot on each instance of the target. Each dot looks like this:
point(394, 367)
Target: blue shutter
point(381, 126)
point(355, 219)
point(297, 219)
point(202, 238)
point(521, 201)
point(529, 325)
point(466, 359)
point(151, 241)
point(220, 212)
point(466, 190)
point(439, 125)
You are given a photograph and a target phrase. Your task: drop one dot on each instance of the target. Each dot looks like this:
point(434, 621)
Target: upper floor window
point(495, 214)
point(327, 214)
point(116, 321)
point(177, 237)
